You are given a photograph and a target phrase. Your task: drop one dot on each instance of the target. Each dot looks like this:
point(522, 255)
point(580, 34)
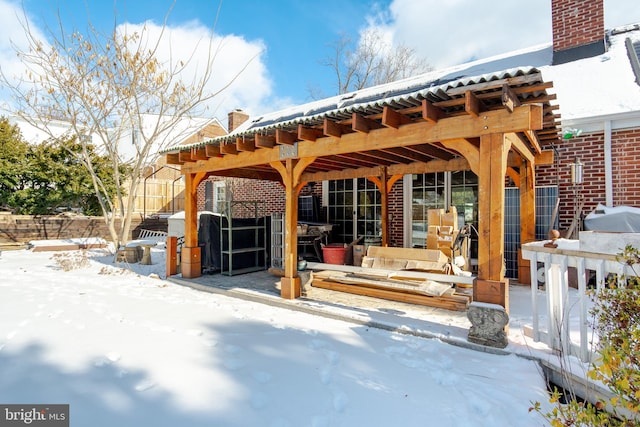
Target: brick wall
point(590, 149)
point(576, 22)
point(396, 225)
point(270, 193)
point(23, 228)
point(626, 167)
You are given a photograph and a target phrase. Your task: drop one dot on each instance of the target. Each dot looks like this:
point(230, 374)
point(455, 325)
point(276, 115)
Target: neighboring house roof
point(186, 130)
point(592, 87)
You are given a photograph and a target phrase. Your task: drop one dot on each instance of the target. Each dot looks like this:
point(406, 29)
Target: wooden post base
point(191, 264)
point(290, 287)
point(172, 256)
point(492, 291)
point(524, 275)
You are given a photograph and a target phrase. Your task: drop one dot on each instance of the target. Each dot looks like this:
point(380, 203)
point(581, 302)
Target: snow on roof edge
point(411, 87)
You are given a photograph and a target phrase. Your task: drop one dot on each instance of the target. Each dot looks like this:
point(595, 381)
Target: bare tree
point(372, 61)
point(110, 90)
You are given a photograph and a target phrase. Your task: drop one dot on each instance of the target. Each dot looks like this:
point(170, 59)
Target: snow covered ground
point(130, 349)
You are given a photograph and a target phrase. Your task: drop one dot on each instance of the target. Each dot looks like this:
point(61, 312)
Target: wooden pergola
point(496, 125)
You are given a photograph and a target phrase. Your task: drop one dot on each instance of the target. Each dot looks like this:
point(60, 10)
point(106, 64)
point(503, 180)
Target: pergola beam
point(430, 112)
point(472, 103)
point(306, 133)
point(363, 124)
point(265, 141)
point(456, 164)
point(520, 147)
point(331, 128)
point(393, 119)
point(286, 137)
point(245, 144)
point(525, 117)
point(468, 150)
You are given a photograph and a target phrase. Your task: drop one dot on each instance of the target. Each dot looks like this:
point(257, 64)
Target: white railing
point(555, 264)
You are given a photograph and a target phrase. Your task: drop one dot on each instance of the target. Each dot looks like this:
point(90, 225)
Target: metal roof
point(445, 90)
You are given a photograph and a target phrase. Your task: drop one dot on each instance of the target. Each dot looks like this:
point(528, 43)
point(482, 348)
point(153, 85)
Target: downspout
point(608, 165)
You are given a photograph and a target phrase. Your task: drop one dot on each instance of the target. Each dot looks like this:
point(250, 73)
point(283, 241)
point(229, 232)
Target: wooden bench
point(157, 236)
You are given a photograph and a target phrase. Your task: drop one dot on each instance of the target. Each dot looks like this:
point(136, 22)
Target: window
point(428, 192)
point(464, 196)
point(208, 196)
point(341, 209)
point(219, 196)
point(308, 208)
point(369, 212)
point(355, 208)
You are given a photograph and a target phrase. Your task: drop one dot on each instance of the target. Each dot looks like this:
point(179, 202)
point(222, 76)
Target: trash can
point(334, 253)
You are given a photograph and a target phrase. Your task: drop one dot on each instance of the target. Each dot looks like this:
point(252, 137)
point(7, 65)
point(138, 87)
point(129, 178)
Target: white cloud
point(12, 21)
point(238, 63)
point(238, 70)
point(455, 31)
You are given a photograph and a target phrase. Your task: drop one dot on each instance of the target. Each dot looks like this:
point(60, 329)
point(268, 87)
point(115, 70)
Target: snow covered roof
point(433, 86)
point(602, 85)
point(591, 87)
point(444, 88)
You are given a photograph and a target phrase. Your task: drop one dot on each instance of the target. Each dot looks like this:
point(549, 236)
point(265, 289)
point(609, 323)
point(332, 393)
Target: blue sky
point(289, 39)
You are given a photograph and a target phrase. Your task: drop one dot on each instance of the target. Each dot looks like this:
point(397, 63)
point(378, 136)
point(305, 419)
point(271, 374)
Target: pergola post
point(384, 184)
point(489, 322)
point(290, 284)
point(191, 264)
point(527, 217)
point(491, 285)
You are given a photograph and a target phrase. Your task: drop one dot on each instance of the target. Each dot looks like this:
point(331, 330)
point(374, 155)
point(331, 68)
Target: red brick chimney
point(578, 29)
point(236, 118)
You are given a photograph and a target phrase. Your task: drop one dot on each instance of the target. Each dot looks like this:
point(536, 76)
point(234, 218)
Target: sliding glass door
point(355, 209)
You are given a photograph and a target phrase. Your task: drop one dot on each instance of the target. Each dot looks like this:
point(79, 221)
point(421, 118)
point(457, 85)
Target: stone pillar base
point(488, 324)
point(290, 287)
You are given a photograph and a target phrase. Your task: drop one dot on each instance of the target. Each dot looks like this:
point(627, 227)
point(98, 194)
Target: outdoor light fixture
point(577, 172)
point(577, 176)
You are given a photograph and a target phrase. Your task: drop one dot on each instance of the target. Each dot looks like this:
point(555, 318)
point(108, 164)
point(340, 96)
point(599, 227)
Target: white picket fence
point(556, 263)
